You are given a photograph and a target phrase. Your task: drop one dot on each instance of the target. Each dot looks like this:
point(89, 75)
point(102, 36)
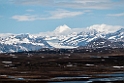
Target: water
point(70, 77)
point(15, 78)
point(111, 77)
point(118, 76)
point(73, 82)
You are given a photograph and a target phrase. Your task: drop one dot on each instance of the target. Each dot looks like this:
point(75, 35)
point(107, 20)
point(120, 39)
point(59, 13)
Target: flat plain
point(50, 67)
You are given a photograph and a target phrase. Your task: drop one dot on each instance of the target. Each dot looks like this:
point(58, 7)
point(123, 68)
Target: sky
point(35, 16)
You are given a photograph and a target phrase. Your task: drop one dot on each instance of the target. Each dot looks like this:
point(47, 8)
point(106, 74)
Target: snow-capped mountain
point(83, 38)
point(115, 33)
point(103, 28)
point(62, 30)
point(118, 35)
point(22, 42)
point(103, 43)
point(64, 37)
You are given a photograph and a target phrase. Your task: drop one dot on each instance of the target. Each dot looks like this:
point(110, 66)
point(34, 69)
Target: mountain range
point(64, 37)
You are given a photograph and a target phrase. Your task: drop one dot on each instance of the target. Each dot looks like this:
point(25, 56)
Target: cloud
point(57, 14)
point(79, 4)
point(105, 28)
point(91, 1)
point(60, 13)
point(25, 17)
point(91, 4)
point(117, 15)
point(33, 2)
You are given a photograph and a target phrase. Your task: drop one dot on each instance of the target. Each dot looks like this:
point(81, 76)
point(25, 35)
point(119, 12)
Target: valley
point(63, 65)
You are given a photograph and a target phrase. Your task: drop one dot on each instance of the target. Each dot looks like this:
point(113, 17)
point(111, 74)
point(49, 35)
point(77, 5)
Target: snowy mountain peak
point(26, 35)
point(64, 37)
point(104, 28)
point(62, 29)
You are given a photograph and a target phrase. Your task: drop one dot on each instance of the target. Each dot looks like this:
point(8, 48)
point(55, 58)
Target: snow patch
point(57, 45)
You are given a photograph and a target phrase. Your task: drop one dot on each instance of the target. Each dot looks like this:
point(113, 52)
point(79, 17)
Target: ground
point(40, 67)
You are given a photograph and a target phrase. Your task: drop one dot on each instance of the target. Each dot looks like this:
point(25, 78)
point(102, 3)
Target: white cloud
point(93, 4)
point(91, 1)
point(79, 4)
point(57, 14)
point(90, 4)
point(33, 2)
point(25, 17)
point(105, 28)
point(117, 15)
point(60, 13)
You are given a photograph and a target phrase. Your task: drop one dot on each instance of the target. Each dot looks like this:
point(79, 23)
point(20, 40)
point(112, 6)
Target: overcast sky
point(35, 16)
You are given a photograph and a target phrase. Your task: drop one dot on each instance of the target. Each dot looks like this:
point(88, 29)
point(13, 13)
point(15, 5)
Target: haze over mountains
point(96, 36)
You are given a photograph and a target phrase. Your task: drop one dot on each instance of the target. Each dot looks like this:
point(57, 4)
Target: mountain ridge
point(29, 42)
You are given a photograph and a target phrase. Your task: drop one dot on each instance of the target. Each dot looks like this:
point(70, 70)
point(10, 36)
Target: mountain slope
point(83, 38)
point(22, 42)
point(62, 37)
point(103, 43)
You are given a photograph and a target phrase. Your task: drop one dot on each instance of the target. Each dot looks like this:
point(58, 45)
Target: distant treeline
point(75, 50)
